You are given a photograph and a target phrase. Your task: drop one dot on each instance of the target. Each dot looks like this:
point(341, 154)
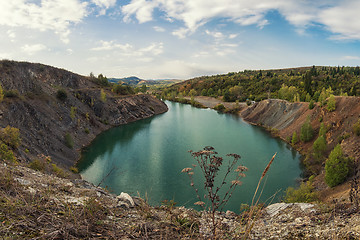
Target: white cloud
point(339, 17)
point(214, 34)
point(141, 8)
point(110, 45)
point(32, 49)
point(159, 29)
point(128, 50)
point(53, 15)
point(105, 3)
point(181, 32)
point(232, 36)
point(350, 58)
point(343, 20)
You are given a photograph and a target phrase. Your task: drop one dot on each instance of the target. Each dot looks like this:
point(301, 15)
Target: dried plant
point(210, 165)
point(354, 191)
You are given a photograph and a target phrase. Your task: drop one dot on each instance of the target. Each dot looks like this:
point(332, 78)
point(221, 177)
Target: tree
point(337, 167)
point(331, 104)
point(143, 88)
point(322, 130)
point(311, 104)
point(192, 93)
point(319, 147)
point(294, 139)
point(306, 132)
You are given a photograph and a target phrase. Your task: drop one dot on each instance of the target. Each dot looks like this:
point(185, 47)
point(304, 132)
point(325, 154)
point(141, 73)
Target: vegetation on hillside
point(296, 84)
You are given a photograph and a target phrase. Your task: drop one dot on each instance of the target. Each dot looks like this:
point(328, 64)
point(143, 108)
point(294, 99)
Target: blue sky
point(161, 39)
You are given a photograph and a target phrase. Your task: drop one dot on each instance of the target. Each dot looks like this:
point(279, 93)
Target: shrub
point(6, 153)
point(103, 95)
point(294, 139)
point(12, 93)
point(1, 93)
point(322, 130)
point(61, 94)
point(73, 112)
point(331, 104)
point(311, 104)
point(10, 136)
point(74, 169)
point(306, 132)
point(319, 147)
point(356, 128)
point(58, 171)
point(69, 142)
point(337, 167)
point(305, 193)
point(220, 107)
point(86, 130)
point(37, 165)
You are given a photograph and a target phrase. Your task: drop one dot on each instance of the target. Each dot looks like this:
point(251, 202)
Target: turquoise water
point(146, 157)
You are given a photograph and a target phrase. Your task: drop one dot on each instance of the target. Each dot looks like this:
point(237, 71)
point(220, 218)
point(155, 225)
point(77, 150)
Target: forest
point(293, 84)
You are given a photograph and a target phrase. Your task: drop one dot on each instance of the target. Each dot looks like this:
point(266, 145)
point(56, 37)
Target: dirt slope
point(283, 118)
point(44, 119)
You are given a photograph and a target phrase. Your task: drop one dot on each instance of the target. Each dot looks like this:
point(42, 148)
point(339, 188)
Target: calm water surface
point(147, 156)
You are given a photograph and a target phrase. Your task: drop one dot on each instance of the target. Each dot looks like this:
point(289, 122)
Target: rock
point(124, 200)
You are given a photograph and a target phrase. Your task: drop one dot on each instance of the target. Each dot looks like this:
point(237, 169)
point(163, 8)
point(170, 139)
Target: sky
point(167, 39)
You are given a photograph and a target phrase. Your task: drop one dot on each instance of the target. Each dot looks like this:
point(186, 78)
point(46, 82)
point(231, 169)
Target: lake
point(146, 157)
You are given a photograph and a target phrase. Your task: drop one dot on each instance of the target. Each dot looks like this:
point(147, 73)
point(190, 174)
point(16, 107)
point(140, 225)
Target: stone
point(125, 200)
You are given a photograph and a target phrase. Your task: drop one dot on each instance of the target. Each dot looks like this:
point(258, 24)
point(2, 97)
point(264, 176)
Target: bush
point(331, 104)
point(61, 95)
point(6, 153)
point(311, 104)
point(319, 147)
point(10, 136)
point(12, 93)
point(220, 107)
point(306, 132)
point(305, 193)
point(122, 89)
point(69, 142)
point(294, 139)
point(337, 167)
point(58, 171)
point(1, 93)
point(103, 95)
point(37, 165)
point(74, 169)
point(356, 128)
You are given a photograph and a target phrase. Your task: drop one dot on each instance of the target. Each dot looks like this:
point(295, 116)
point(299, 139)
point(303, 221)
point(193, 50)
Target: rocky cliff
point(52, 106)
point(284, 118)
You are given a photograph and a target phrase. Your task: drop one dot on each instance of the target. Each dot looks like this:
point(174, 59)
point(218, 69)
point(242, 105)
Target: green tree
point(143, 88)
point(322, 130)
point(204, 92)
point(295, 138)
point(337, 167)
point(319, 147)
point(331, 104)
point(306, 132)
point(311, 104)
point(192, 93)
point(307, 98)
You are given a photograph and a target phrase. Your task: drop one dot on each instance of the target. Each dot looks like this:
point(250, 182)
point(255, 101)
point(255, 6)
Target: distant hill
point(135, 81)
point(292, 84)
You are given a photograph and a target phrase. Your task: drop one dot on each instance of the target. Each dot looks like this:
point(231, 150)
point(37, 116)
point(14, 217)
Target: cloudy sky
point(157, 39)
